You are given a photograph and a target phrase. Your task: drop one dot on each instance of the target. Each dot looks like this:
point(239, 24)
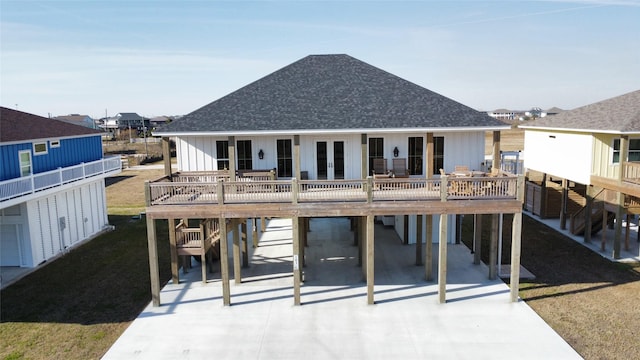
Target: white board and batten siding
point(564, 154)
point(198, 153)
point(64, 219)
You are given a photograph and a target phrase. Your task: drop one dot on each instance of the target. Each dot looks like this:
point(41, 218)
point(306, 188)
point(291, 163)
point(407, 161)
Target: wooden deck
point(265, 197)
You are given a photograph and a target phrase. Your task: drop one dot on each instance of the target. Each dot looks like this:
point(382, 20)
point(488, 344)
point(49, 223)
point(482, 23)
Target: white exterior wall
point(460, 148)
point(563, 154)
point(64, 219)
point(463, 148)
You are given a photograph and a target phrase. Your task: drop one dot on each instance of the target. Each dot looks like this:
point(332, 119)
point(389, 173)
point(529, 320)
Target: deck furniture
point(380, 167)
point(400, 168)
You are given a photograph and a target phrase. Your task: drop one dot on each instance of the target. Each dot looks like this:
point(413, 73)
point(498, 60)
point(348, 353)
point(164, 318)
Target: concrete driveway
point(334, 320)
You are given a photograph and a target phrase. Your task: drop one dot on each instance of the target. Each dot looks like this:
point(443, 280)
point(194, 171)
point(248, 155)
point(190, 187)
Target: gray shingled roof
point(18, 126)
point(620, 114)
point(330, 92)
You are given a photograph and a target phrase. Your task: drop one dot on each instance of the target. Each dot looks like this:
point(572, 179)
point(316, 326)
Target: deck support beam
point(477, 239)
point(428, 264)
point(370, 256)
point(493, 247)
point(245, 243)
point(154, 270)
point(589, 192)
point(360, 236)
point(442, 259)
point(254, 232)
point(237, 266)
point(224, 262)
point(563, 204)
point(516, 236)
point(295, 231)
point(173, 248)
point(419, 240)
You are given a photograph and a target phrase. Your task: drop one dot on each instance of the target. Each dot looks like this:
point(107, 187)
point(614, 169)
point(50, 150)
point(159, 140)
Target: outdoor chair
point(400, 168)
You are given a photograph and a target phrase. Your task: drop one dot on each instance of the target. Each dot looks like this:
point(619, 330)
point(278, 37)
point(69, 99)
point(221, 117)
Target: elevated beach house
point(331, 136)
point(593, 150)
point(52, 189)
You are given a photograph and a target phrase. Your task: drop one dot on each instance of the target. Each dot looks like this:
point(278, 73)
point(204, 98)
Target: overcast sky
point(172, 57)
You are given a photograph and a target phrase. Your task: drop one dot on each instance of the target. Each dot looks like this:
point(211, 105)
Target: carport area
point(407, 321)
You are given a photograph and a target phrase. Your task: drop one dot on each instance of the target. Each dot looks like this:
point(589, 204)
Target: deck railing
point(27, 185)
point(631, 172)
point(246, 191)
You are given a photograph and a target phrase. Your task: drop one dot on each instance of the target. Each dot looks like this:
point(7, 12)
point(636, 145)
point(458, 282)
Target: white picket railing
point(26, 185)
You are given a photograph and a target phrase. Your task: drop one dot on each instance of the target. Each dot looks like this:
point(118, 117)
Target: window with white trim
point(25, 162)
point(633, 154)
point(222, 154)
point(54, 143)
point(40, 148)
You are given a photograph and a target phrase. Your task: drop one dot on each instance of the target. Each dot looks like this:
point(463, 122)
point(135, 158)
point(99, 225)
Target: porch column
point(296, 156)
point(224, 262)
point(232, 158)
point(295, 231)
point(154, 270)
point(364, 163)
point(516, 235)
point(587, 213)
point(429, 159)
point(563, 204)
point(173, 247)
point(237, 272)
point(493, 247)
point(477, 239)
point(496, 150)
point(418, 240)
point(370, 257)
point(442, 259)
point(428, 264)
point(166, 155)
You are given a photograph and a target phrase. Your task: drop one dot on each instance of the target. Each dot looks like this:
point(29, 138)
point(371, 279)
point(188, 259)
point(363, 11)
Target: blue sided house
point(52, 189)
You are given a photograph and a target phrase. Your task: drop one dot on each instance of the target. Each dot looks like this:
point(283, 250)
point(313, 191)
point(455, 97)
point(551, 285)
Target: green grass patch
point(78, 305)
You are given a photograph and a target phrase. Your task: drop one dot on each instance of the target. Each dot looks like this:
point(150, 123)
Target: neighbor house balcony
point(629, 183)
point(214, 189)
point(21, 189)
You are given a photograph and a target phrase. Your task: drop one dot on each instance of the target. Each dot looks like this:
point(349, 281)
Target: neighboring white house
point(597, 146)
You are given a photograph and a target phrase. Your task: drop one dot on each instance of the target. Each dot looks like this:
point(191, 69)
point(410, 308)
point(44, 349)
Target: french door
point(330, 159)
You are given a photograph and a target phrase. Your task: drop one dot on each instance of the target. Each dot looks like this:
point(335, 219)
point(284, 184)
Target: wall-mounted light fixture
point(396, 152)
point(261, 154)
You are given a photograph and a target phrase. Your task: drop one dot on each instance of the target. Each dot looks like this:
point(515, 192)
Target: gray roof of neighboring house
point(128, 116)
point(20, 126)
point(620, 114)
point(330, 92)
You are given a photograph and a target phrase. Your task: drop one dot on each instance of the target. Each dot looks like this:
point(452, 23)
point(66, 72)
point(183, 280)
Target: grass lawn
point(77, 306)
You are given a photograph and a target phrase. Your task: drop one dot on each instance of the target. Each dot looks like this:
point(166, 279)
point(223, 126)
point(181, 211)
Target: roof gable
point(620, 114)
point(329, 92)
point(18, 126)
